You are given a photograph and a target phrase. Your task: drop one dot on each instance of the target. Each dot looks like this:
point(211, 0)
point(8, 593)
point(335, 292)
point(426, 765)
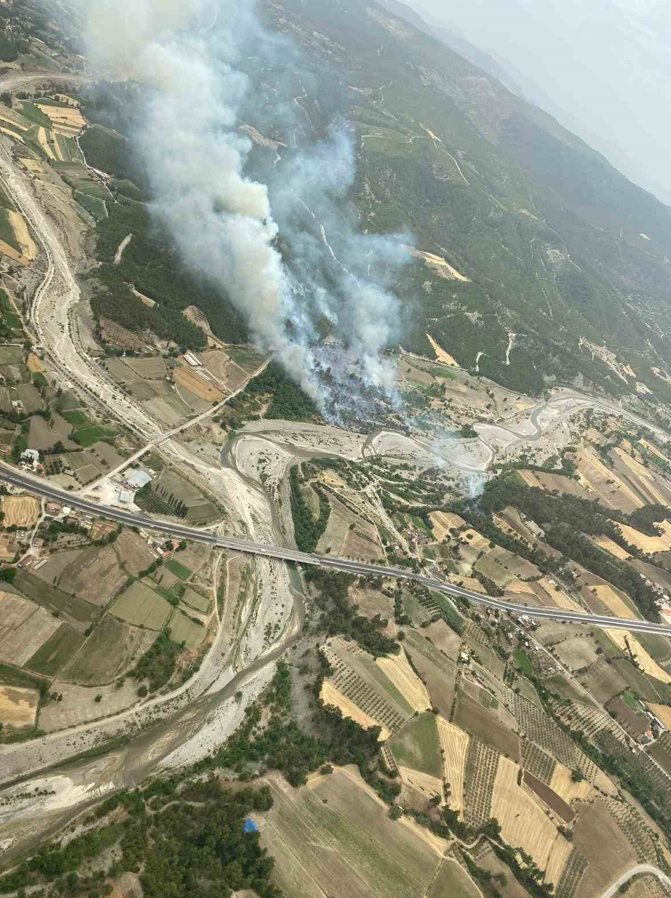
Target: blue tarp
point(250, 827)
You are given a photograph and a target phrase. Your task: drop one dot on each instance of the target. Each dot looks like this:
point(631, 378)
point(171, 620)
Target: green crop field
point(417, 745)
point(142, 606)
point(77, 419)
point(13, 676)
point(92, 204)
point(56, 651)
point(184, 630)
point(87, 436)
point(178, 569)
point(7, 231)
point(35, 115)
point(523, 661)
point(194, 600)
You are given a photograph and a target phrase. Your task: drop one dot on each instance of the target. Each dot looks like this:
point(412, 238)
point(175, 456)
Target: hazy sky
point(605, 64)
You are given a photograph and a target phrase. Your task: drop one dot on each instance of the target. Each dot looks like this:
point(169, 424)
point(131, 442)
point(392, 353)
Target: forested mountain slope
point(551, 243)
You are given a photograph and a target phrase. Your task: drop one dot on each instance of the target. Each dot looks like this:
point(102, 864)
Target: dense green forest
point(187, 839)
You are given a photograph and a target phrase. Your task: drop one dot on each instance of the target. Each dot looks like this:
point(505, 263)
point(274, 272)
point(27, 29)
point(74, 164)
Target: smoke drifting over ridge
point(225, 224)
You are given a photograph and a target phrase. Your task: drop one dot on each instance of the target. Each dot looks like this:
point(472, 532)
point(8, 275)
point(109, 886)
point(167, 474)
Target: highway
point(39, 487)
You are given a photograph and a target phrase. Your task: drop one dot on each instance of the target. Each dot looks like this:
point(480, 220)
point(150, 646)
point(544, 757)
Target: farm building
point(138, 479)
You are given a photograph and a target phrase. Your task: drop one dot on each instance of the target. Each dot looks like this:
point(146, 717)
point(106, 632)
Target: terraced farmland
point(363, 683)
point(572, 875)
point(480, 771)
point(537, 761)
point(454, 744)
point(637, 833)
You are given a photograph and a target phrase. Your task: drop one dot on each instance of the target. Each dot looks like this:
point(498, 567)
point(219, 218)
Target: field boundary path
point(640, 868)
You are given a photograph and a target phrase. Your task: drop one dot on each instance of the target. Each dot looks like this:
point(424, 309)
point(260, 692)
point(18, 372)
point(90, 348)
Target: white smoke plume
point(225, 224)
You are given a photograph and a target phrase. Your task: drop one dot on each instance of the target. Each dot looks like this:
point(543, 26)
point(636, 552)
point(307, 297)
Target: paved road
point(641, 868)
point(181, 531)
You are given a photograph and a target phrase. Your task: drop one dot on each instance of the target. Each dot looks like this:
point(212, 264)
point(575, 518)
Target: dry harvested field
point(24, 629)
point(68, 121)
point(454, 744)
point(549, 797)
point(18, 707)
point(622, 638)
point(605, 542)
point(364, 544)
point(577, 652)
point(20, 511)
point(190, 380)
point(358, 677)
point(34, 364)
point(483, 725)
point(401, 674)
point(438, 671)
point(108, 653)
point(611, 490)
point(419, 787)
point(337, 532)
point(43, 436)
point(141, 606)
point(603, 681)
point(597, 835)
point(133, 552)
point(453, 882)
point(223, 369)
point(334, 837)
point(563, 784)
point(649, 544)
point(523, 822)
point(615, 601)
point(332, 696)
point(661, 711)
point(93, 574)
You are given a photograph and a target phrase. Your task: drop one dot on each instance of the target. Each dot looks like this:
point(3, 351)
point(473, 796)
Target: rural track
point(635, 871)
point(282, 553)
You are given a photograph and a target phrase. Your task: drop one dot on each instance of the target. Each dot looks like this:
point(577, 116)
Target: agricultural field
point(78, 613)
point(196, 601)
point(94, 574)
point(417, 746)
point(606, 848)
point(454, 745)
point(172, 488)
point(56, 652)
point(363, 683)
point(347, 534)
point(184, 629)
point(20, 511)
point(142, 606)
point(196, 384)
point(111, 650)
point(483, 725)
point(523, 821)
point(25, 628)
point(438, 671)
point(375, 857)
point(480, 771)
point(453, 882)
point(18, 706)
